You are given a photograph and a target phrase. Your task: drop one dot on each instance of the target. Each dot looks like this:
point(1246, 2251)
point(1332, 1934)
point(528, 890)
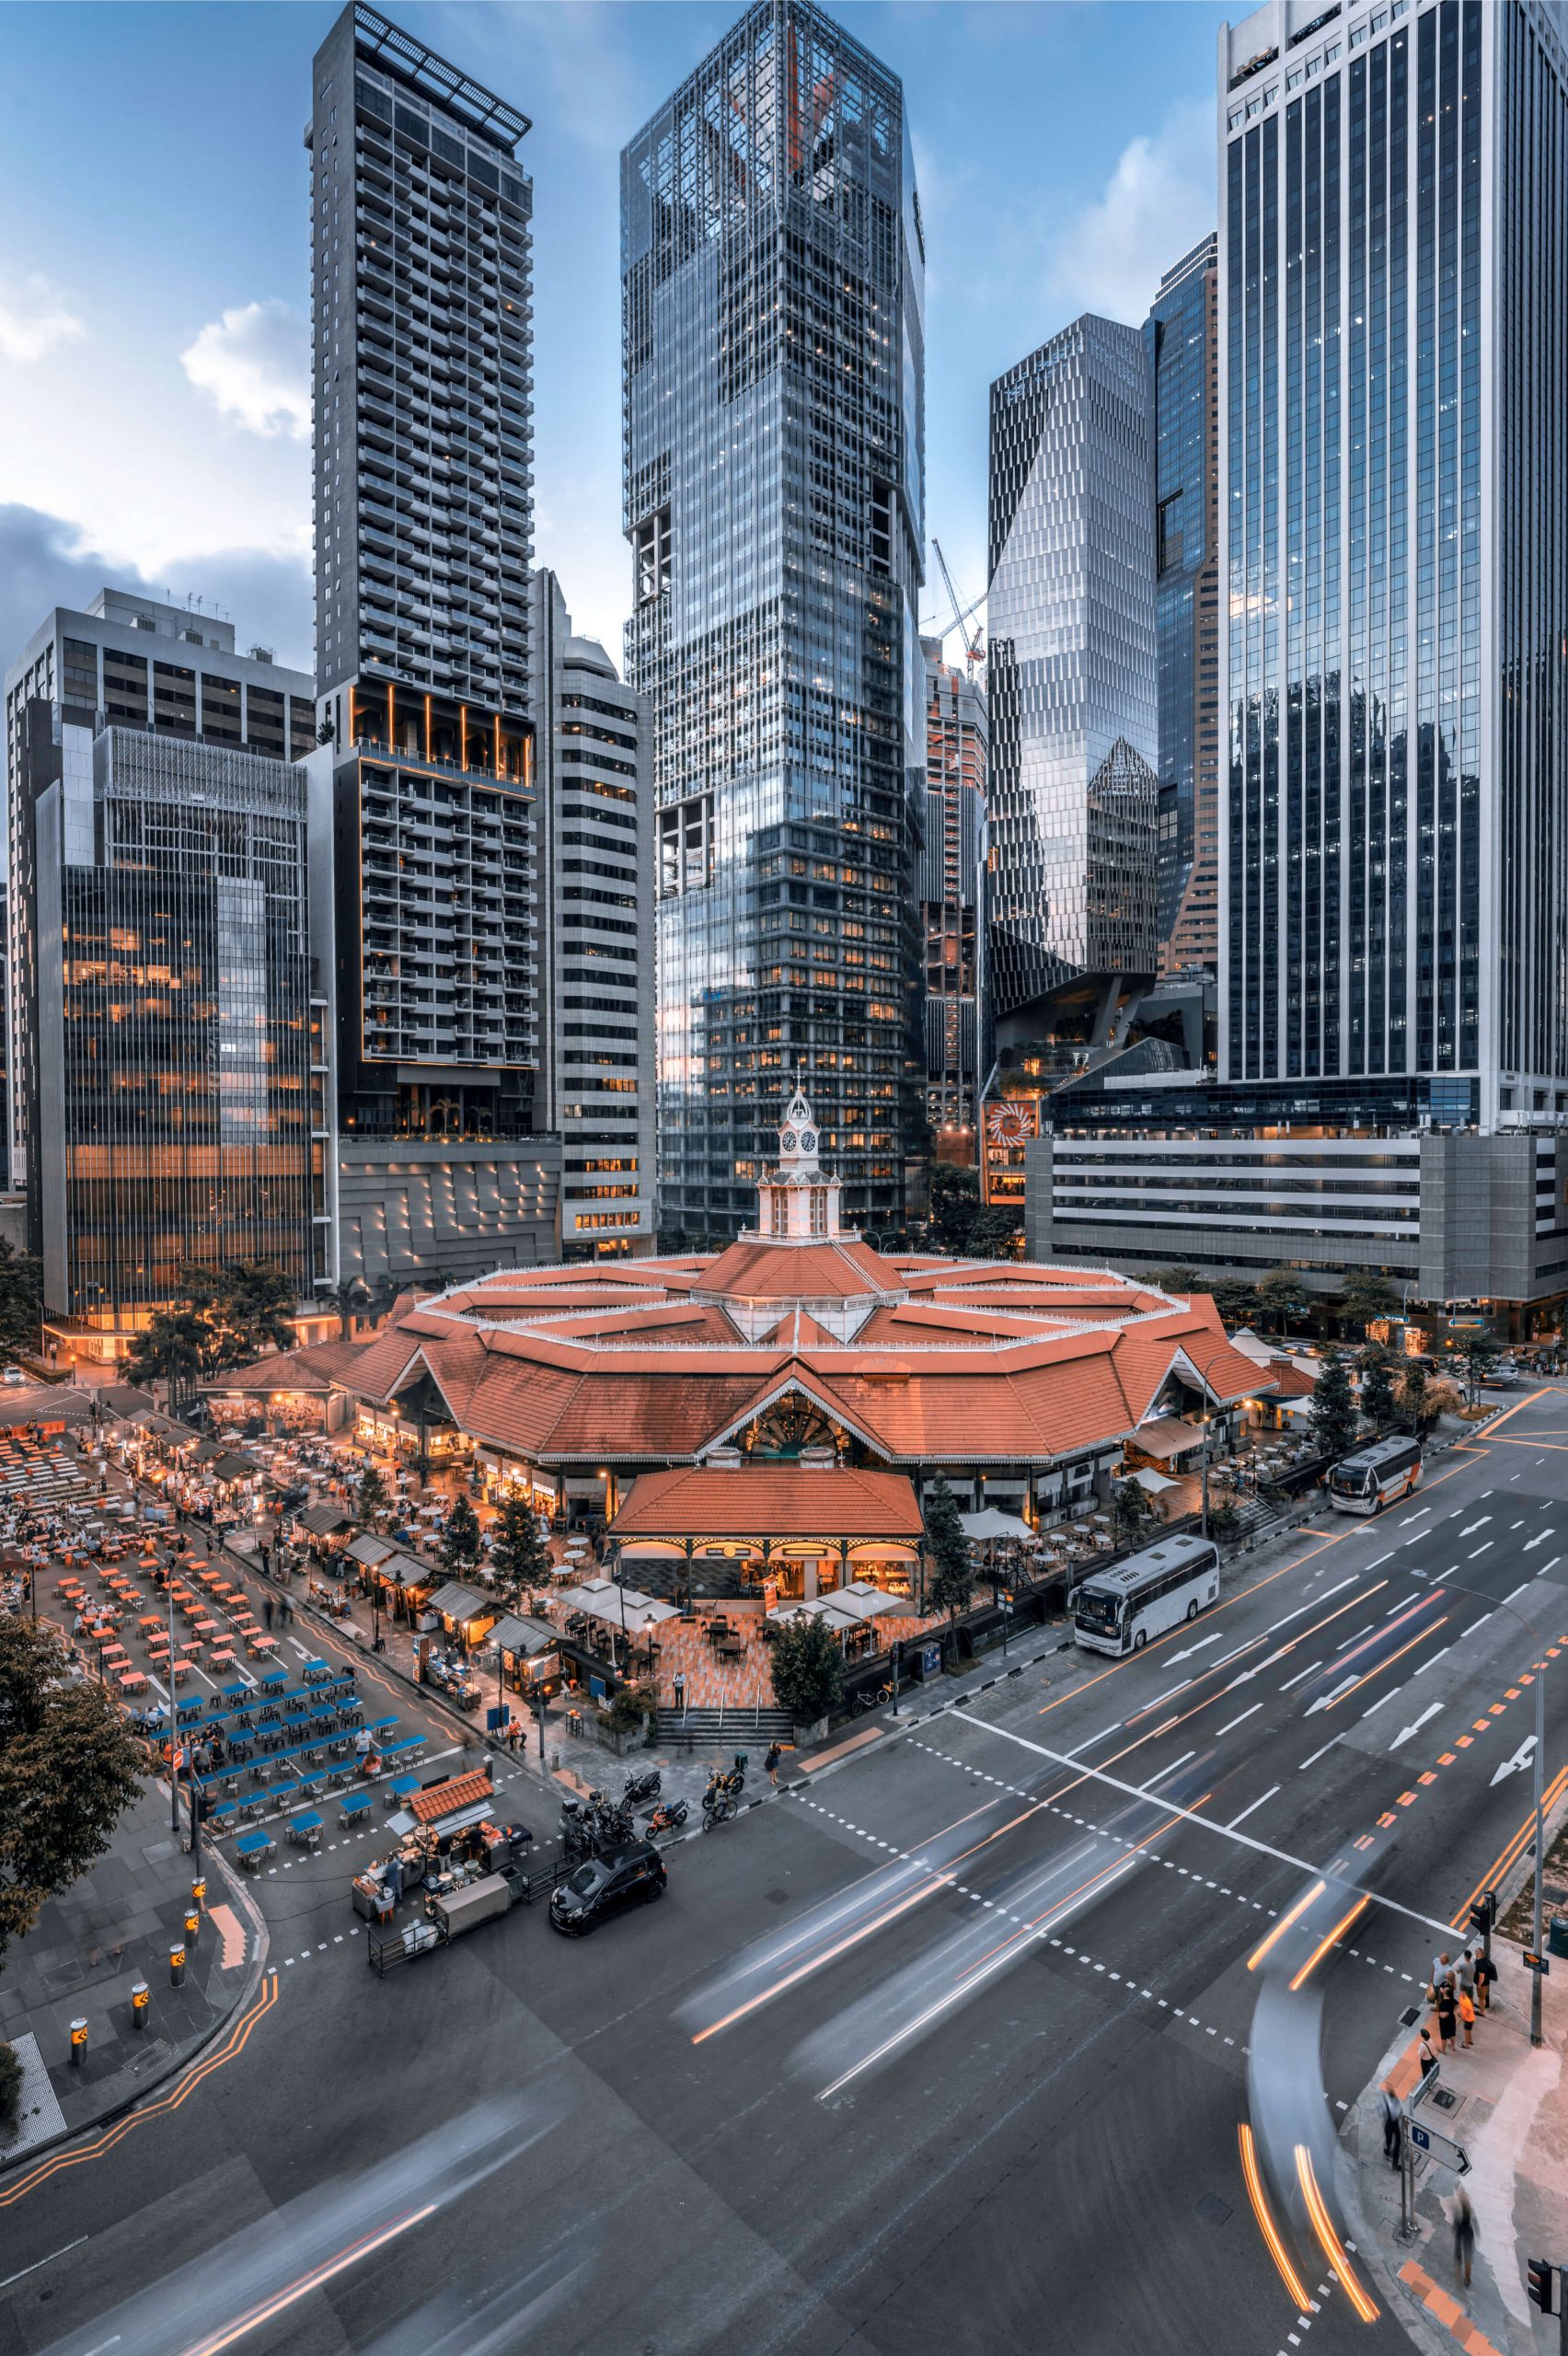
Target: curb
point(261, 1945)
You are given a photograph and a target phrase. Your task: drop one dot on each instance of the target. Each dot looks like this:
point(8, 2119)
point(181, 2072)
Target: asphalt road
point(949, 2051)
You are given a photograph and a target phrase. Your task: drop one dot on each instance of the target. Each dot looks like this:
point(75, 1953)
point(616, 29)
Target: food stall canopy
point(1166, 1437)
point(461, 1603)
point(405, 1570)
point(1152, 1483)
point(233, 1467)
point(831, 1608)
point(369, 1550)
point(603, 1600)
point(322, 1521)
point(517, 1632)
point(990, 1523)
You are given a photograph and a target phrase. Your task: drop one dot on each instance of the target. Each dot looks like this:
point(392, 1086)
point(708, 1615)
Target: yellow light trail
point(1332, 2248)
point(1266, 2225)
point(1326, 1943)
point(1285, 1923)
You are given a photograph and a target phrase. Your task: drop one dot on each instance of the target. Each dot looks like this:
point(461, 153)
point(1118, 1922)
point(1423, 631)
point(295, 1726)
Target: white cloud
point(255, 362)
point(1156, 205)
point(33, 320)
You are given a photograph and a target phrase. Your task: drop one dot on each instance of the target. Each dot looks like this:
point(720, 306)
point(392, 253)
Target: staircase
point(696, 1730)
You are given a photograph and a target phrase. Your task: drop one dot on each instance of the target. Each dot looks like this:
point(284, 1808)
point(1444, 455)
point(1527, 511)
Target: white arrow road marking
point(1323, 1699)
point(1415, 1725)
point(1520, 1760)
point(1198, 1647)
point(1531, 1543)
point(1472, 1527)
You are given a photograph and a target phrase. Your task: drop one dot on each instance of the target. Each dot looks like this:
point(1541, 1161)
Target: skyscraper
point(952, 893)
point(596, 877)
point(1396, 545)
point(773, 268)
point(1181, 338)
point(421, 305)
point(1071, 672)
point(166, 1046)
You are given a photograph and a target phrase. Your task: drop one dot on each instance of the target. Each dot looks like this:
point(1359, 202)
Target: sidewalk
point(1507, 2103)
point(88, 1946)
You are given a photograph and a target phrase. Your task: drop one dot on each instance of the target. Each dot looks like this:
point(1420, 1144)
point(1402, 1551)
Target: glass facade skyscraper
point(1396, 378)
point(773, 270)
point(1181, 338)
point(1071, 676)
point(951, 901)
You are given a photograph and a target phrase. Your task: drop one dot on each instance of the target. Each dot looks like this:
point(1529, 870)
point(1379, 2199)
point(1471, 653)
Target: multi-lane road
point(952, 2047)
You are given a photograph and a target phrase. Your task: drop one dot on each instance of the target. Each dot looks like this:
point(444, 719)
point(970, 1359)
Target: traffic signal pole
point(1537, 2036)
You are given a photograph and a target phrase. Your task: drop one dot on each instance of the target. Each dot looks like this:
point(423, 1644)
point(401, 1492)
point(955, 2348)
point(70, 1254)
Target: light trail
point(1266, 2225)
point(1378, 1666)
point(318, 2276)
point(1325, 1944)
point(1285, 1923)
point(1333, 2249)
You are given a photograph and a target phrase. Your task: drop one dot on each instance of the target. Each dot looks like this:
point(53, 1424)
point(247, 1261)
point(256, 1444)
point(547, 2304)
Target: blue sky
point(155, 263)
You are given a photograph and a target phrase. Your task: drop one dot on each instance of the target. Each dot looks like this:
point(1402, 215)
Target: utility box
point(464, 1910)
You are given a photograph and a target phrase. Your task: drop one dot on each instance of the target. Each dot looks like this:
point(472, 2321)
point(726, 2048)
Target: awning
point(322, 1521)
point(1152, 1483)
point(831, 1608)
point(869, 1602)
point(461, 1603)
point(1166, 1437)
point(234, 1468)
point(369, 1550)
point(992, 1524)
point(405, 1570)
point(618, 1606)
point(518, 1632)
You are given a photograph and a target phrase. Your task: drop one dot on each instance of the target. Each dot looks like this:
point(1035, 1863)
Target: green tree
point(69, 1767)
point(520, 1556)
point(1282, 1296)
point(1224, 1515)
point(995, 1233)
point(1236, 1301)
point(1131, 1509)
point(349, 1298)
point(1365, 1297)
point(1416, 1412)
point(1481, 1354)
point(10, 2089)
point(21, 1299)
point(952, 1582)
point(371, 1497)
point(252, 1307)
point(1333, 1408)
point(461, 1542)
point(955, 1206)
point(807, 1669)
point(1181, 1281)
point(1377, 1387)
point(172, 1348)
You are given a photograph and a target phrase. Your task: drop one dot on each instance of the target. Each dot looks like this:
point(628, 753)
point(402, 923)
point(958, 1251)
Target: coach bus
point(1118, 1611)
point(1375, 1476)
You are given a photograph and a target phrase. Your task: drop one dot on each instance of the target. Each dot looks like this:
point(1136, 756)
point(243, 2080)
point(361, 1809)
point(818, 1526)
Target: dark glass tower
point(773, 270)
point(1181, 341)
point(1395, 370)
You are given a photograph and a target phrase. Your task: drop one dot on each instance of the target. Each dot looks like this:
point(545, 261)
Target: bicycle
point(875, 1698)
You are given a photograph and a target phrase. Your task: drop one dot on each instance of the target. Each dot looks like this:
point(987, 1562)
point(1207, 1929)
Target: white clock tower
point(800, 1201)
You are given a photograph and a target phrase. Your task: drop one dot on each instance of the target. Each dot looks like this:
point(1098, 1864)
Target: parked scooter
point(666, 1817)
point(645, 1786)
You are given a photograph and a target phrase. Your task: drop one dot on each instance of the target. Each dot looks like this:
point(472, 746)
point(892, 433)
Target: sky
point(155, 261)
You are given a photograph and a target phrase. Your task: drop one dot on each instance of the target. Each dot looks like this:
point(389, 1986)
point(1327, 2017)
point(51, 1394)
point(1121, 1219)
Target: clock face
point(788, 1141)
point(808, 1141)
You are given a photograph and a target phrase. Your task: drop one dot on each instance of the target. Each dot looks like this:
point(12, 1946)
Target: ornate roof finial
point(798, 1130)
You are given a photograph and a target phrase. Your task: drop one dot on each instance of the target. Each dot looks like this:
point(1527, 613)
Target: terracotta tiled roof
point(445, 1799)
point(310, 1368)
point(758, 1269)
point(769, 1501)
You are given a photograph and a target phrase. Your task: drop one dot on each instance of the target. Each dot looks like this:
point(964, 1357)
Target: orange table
point(179, 1671)
point(133, 1681)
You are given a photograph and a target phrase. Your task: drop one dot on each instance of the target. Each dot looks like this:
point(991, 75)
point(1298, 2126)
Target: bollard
point(78, 2041)
point(199, 1893)
point(141, 1998)
point(176, 1967)
point(192, 1927)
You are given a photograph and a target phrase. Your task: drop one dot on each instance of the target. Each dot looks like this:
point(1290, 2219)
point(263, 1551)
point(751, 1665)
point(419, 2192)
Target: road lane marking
point(1318, 1754)
point(1236, 1722)
point(1415, 1725)
point(33, 2269)
point(1248, 1810)
point(1299, 1675)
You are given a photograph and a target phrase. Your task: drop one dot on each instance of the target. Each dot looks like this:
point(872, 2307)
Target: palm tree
point(348, 1297)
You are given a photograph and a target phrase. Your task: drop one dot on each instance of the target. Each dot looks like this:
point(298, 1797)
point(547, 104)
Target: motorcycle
point(718, 1806)
point(646, 1786)
point(666, 1817)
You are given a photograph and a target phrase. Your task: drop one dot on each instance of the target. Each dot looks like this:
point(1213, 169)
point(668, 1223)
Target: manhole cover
point(60, 1982)
point(1212, 2210)
point(778, 1897)
point(1444, 2100)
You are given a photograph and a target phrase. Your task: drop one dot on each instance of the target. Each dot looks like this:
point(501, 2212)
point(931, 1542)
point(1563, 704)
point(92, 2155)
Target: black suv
point(603, 1885)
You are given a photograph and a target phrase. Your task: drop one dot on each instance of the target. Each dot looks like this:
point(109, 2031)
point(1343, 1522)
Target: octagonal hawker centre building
point(780, 1408)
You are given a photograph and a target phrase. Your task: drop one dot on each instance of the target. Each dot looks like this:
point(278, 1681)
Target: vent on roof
point(723, 1459)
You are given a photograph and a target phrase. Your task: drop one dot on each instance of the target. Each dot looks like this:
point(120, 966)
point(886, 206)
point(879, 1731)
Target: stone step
point(713, 1725)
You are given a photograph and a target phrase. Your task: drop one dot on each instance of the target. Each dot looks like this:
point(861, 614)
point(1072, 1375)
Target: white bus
point(1375, 1476)
point(1118, 1611)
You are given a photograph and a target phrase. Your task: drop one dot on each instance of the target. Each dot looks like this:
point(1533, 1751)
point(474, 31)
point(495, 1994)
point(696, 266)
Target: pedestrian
point(1485, 1973)
point(1466, 2008)
point(1448, 2013)
point(1393, 2136)
point(266, 1609)
point(1441, 1967)
point(1424, 2055)
point(680, 1691)
point(1464, 1972)
point(770, 1765)
point(1464, 2235)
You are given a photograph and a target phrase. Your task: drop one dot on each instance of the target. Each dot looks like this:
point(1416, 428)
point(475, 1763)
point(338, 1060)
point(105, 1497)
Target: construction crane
point(973, 645)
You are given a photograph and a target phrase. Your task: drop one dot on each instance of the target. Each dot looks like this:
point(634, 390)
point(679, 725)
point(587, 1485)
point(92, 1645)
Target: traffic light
point(1484, 1913)
point(1540, 2271)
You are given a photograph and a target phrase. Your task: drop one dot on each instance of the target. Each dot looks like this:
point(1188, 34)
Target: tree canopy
point(952, 1582)
point(1334, 1417)
point(69, 1767)
point(1377, 1387)
point(807, 1669)
point(519, 1554)
point(1131, 1507)
point(229, 1316)
point(461, 1540)
point(21, 1299)
point(1282, 1294)
point(1236, 1301)
point(1366, 1295)
point(1180, 1281)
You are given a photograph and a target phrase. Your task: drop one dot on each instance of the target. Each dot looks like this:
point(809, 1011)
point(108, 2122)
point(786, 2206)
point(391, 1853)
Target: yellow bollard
point(176, 1967)
point(78, 2041)
point(141, 1998)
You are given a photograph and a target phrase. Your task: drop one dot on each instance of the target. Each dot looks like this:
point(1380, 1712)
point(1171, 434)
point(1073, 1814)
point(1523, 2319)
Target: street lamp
point(1007, 1621)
